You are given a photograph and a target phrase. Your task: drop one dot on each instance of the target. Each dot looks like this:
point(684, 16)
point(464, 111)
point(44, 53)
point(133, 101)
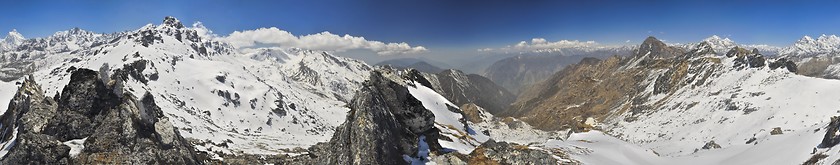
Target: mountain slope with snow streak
point(689, 104)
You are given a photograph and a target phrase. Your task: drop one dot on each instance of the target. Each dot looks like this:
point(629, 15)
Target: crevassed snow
point(76, 146)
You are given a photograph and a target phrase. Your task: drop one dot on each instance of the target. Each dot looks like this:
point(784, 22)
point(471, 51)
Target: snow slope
point(464, 138)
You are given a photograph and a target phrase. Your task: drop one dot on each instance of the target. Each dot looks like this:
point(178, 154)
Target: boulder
point(776, 131)
point(711, 145)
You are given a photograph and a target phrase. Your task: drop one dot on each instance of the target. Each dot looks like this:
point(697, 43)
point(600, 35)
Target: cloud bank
point(538, 44)
point(325, 41)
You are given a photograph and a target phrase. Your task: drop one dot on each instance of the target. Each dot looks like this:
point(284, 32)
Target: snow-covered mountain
point(259, 101)
point(28, 55)
point(722, 45)
point(13, 39)
point(807, 46)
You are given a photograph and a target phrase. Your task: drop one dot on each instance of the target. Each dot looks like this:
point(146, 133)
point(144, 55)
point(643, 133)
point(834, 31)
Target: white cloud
point(325, 41)
point(203, 31)
point(537, 44)
point(485, 49)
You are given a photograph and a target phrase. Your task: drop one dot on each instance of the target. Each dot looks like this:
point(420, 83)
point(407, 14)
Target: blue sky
point(450, 24)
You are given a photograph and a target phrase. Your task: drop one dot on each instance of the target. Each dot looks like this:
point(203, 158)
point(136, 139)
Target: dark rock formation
point(711, 145)
point(776, 131)
point(172, 22)
point(831, 137)
point(116, 128)
point(784, 63)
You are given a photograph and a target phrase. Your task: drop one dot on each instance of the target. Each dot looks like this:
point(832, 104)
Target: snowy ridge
point(807, 46)
point(722, 45)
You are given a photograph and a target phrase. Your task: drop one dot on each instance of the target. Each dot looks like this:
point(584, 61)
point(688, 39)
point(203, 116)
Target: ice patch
point(76, 146)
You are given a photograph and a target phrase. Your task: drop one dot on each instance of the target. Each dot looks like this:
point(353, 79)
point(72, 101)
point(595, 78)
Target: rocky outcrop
point(711, 145)
point(473, 112)
point(786, 64)
point(112, 127)
point(776, 131)
point(385, 124)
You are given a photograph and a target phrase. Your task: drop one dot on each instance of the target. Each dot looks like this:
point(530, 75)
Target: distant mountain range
point(529, 67)
point(422, 65)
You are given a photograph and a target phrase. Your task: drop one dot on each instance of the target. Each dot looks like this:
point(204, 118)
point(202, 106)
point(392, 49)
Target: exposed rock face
point(115, 128)
point(23, 124)
point(472, 112)
point(384, 124)
point(785, 63)
point(29, 111)
point(461, 88)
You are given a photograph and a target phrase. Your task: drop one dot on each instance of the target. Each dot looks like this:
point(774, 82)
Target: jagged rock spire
point(172, 22)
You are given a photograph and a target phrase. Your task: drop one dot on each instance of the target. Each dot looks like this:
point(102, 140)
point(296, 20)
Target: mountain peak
point(651, 43)
point(14, 34)
point(656, 48)
point(172, 22)
point(650, 40)
point(12, 40)
point(718, 39)
point(806, 39)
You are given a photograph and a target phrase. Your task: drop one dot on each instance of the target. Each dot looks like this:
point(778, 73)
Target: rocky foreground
point(92, 114)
